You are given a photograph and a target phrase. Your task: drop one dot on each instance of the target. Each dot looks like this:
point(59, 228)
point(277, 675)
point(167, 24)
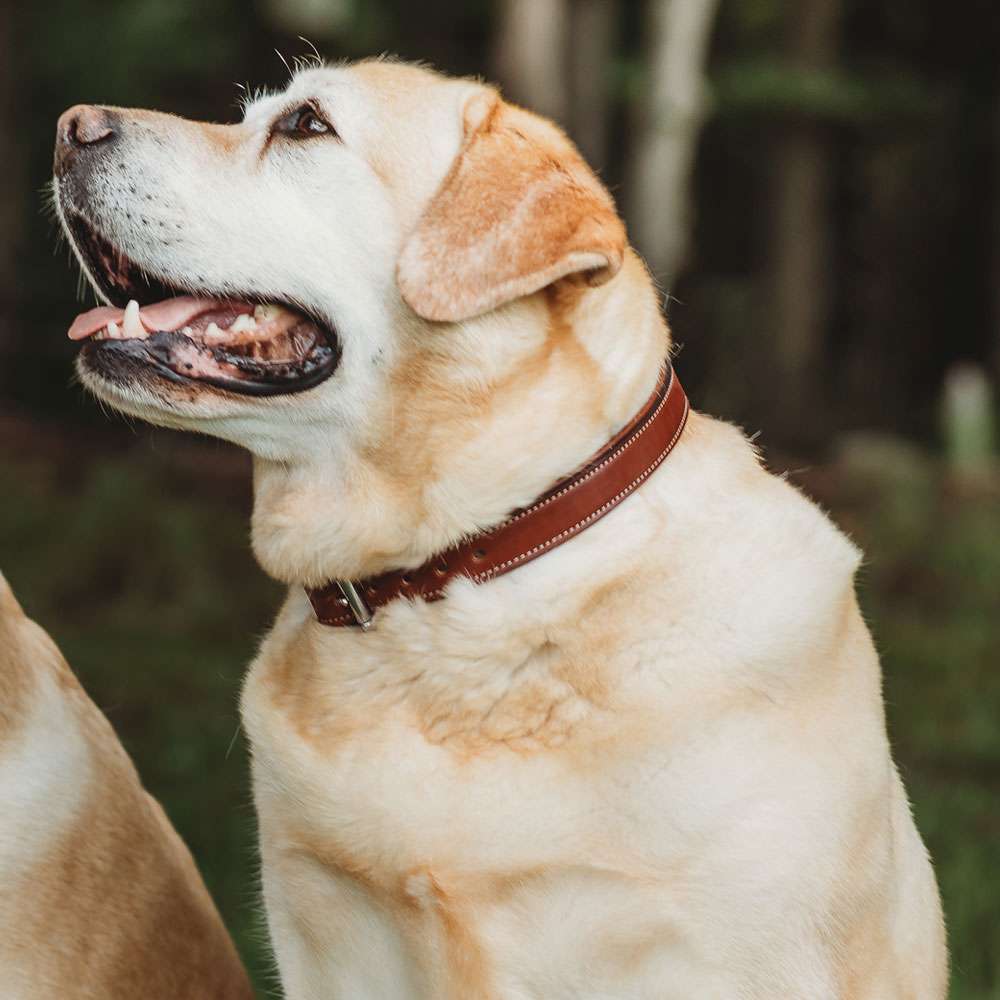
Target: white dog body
point(652, 763)
point(517, 792)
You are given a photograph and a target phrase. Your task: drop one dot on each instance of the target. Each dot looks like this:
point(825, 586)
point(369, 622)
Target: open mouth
point(241, 344)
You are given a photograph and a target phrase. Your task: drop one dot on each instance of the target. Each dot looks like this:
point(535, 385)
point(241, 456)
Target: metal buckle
point(357, 605)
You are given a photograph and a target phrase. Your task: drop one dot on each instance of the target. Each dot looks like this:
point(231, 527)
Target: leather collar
point(572, 505)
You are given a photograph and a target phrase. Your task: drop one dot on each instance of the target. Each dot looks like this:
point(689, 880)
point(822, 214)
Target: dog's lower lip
point(182, 359)
point(109, 358)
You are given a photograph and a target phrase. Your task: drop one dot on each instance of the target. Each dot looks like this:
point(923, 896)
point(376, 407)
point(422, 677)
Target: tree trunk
point(801, 256)
point(679, 33)
point(996, 241)
point(11, 192)
point(594, 33)
point(532, 52)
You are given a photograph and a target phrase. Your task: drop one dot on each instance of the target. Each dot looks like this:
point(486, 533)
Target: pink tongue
point(90, 322)
point(171, 314)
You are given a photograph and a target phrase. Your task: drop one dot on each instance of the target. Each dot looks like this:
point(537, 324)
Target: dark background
point(833, 262)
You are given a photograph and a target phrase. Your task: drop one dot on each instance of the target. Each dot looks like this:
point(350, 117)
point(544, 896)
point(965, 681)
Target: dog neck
point(477, 420)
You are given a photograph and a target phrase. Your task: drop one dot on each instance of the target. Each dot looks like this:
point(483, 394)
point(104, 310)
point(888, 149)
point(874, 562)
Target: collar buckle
point(356, 604)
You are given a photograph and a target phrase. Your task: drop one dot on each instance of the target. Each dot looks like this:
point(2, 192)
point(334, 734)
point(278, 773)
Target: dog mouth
point(242, 344)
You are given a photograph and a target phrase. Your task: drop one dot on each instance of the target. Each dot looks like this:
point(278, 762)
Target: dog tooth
point(187, 331)
point(265, 313)
point(213, 333)
point(243, 322)
point(113, 331)
point(131, 324)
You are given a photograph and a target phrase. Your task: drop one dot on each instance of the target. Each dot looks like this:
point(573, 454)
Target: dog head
point(270, 257)
point(368, 260)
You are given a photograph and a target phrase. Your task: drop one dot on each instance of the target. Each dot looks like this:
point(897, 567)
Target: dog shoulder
point(757, 572)
point(754, 506)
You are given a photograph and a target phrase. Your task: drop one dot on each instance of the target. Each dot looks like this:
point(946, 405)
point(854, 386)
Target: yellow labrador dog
point(99, 899)
point(640, 752)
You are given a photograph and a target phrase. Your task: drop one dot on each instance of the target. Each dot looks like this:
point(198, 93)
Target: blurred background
point(816, 183)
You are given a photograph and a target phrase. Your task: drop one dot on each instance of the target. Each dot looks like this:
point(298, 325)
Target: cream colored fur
point(653, 763)
point(99, 899)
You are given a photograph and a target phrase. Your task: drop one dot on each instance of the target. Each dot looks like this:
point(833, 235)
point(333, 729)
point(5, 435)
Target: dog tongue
point(171, 314)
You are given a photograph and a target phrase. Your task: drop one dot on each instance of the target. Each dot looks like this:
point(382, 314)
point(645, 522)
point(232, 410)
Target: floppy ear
point(518, 210)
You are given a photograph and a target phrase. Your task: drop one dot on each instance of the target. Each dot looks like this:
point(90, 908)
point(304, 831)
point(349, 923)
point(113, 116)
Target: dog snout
point(79, 131)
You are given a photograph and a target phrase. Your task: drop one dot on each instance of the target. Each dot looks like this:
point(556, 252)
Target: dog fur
point(653, 763)
point(101, 900)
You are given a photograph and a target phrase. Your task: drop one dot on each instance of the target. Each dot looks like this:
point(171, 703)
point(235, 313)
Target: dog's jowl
point(569, 698)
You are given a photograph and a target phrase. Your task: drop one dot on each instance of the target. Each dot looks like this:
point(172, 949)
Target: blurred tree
point(801, 256)
point(530, 55)
point(594, 38)
point(11, 191)
point(666, 136)
point(995, 261)
point(320, 18)
point(554, 56)
point(967, 422)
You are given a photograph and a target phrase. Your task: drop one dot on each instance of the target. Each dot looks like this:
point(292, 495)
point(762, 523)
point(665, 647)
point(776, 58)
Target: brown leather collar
point(572, 505)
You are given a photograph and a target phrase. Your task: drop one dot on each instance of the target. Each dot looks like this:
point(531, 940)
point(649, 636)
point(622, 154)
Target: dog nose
point(80, 128)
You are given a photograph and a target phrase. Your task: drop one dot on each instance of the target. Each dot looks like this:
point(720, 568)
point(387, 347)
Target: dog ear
point(518, 210)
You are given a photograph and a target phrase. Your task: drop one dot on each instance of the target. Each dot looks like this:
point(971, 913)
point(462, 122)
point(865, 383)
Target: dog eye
point(303, 123)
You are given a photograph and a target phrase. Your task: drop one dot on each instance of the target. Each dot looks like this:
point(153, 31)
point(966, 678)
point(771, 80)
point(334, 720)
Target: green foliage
point(755, 21)
point(134, 47)
point(773, 88)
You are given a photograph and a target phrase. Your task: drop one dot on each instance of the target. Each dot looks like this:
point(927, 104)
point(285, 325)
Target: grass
point(134, 555)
